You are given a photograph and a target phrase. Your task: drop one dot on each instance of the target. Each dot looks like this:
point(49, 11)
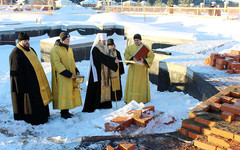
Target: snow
point(76, 38)
point(76, 9)
point(57, 133)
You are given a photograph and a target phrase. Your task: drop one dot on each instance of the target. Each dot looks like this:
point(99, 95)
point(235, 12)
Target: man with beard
point(30, 90)
point(137, 84)
point(99, 84)
point(116, 90)
point(64, 71)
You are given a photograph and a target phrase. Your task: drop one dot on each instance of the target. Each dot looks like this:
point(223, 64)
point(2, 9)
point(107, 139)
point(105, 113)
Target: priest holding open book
point(140, 58)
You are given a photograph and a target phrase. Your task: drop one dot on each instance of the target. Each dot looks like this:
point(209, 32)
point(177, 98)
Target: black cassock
point(26, 97)
point(121, 71)
point(93, 96)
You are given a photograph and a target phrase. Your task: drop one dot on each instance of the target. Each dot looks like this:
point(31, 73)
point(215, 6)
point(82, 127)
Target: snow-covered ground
point(59, 133)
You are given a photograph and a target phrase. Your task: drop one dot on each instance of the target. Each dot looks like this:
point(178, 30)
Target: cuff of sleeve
point(66, 73)
point(77, 71)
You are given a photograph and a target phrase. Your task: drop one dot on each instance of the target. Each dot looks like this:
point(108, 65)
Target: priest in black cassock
point(30, 89)
point(99, 85)
point(117, 80)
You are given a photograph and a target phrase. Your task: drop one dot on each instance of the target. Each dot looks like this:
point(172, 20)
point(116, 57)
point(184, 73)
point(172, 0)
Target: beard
point(26, 45)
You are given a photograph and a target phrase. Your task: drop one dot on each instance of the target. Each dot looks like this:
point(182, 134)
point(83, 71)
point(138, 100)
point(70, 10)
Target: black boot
point(65, 114)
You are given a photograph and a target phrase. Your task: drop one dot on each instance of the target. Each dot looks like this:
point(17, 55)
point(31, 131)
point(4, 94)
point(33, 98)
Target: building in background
point(103, 3)
point(130, 3)
point(61, 3)
point(89, 3)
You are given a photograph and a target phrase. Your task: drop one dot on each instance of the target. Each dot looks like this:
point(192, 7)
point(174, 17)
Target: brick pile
point(124, 145)
point(226, 61)
point(139, 118)
point(215, 123)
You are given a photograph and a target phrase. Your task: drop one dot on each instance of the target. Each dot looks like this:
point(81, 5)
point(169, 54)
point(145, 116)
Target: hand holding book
point(141, 53)
point(138, 61)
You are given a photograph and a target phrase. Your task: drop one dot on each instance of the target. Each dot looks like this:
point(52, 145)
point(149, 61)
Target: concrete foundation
point(175, 77)
point(10, 36)
point(156, 41)
point(81, 51)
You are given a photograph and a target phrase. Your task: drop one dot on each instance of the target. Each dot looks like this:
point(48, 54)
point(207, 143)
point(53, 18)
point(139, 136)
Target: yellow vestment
point(41, 77)
point(137, 84)
point(65, 96)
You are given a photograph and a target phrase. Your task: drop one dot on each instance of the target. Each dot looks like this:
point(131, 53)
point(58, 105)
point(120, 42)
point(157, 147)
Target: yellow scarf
point(105, 77)
point(114, 75)
point(41, 77)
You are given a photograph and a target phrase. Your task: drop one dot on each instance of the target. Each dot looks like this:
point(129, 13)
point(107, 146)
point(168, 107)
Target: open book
point(141, 52)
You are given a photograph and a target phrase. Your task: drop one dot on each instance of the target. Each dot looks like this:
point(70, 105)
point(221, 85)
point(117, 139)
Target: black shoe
point(70, 114)
point(66, 116)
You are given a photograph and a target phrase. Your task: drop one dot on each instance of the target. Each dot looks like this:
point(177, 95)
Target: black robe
point(93, 96)
point(121, 71)
point(26, 97)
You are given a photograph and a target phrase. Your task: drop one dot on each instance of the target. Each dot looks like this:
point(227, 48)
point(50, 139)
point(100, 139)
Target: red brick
point(237, 58)
point(219, 67)
point(224, 92)
point(235, 65)
point(235, 52)
point(228, 94)
point(236, 71)
point(222, 133)
point(212, 63)
point(234, 100)
point(191, 126)
point(237, 137)
point(204, 144)
point(215, 100)
point(137, 114)
point(206, 131)
point(148, 111)
point(204, 121)
point(235, 94)
point(109, 127)
point(121, 119)
point(118, 124)
point(206, 108)
point(221, 148)
point(231, 108)
point(142, 122)
point(221, 61)
point(227, 116)
point(183, 131)
point(219, 141)
point(148, 108)
point(215, 107)
point(193, 135)
point(207, 61)
point(214, 56)
point(125, 145)
point(229, 59)
point(110, 147)
point(234, 146)
point(230, 71)
point(226, 99)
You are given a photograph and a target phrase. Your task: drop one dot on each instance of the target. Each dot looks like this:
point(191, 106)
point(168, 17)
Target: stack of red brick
point(124, 145)
point(214, 124)
point(139, 118)
point(231, 61)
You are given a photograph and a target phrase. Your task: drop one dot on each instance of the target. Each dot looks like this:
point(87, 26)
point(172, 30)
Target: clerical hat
point(23, 36)
point(137, 36)
point(110, 42)
point(63, 36)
